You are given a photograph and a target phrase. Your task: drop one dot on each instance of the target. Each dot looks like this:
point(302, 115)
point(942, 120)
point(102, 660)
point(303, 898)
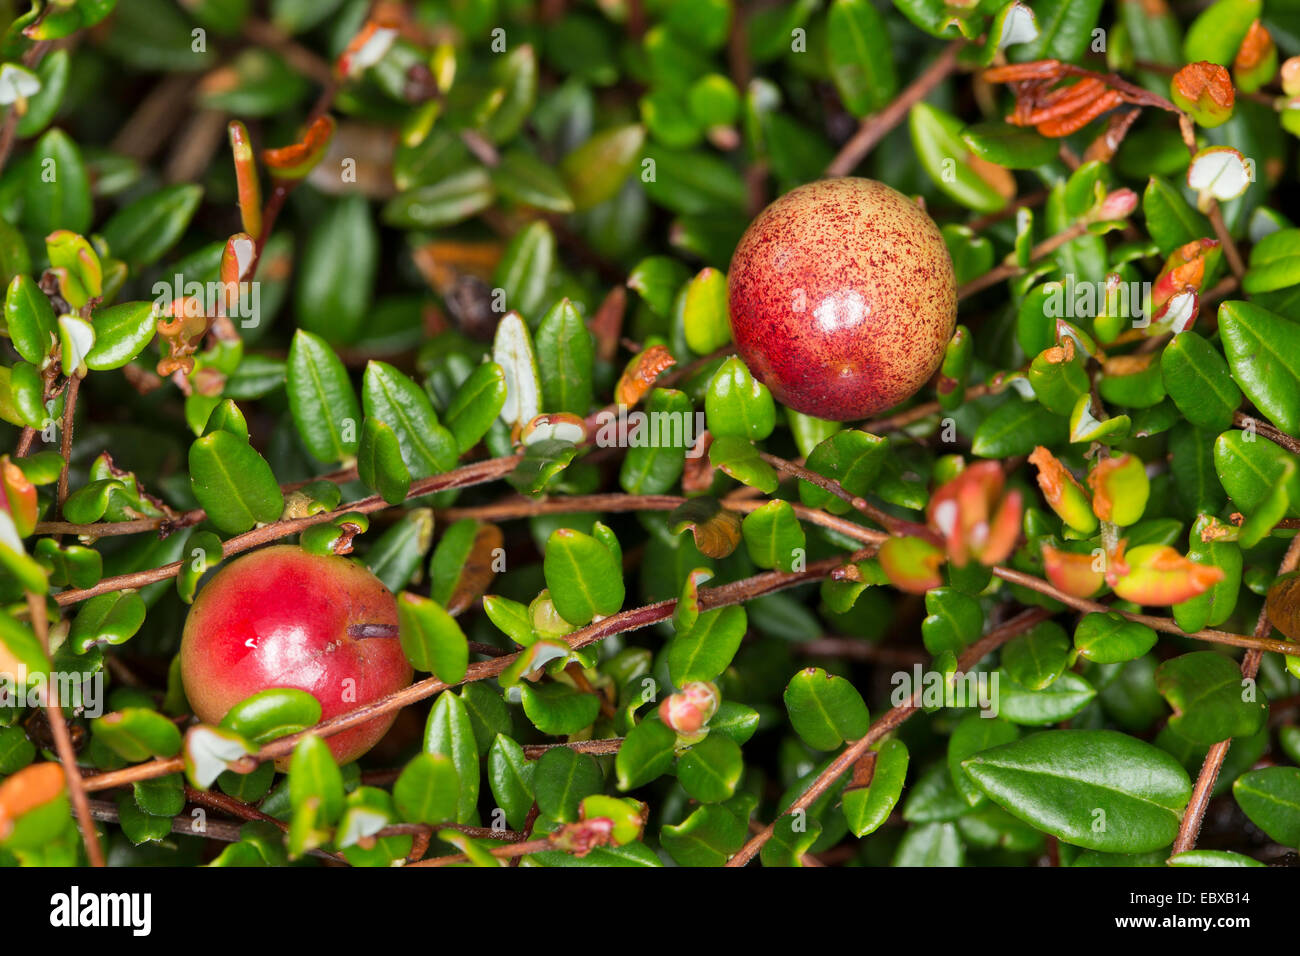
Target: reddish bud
point(1186, 268)
point(366, 49)
point(1291, 76)
point(1118, 204)
point(974, 517)
point(688, 712)
point(1204, 90)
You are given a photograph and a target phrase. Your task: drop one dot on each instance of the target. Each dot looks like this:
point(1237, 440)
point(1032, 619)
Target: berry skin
point(282, 617)
point(842, 298)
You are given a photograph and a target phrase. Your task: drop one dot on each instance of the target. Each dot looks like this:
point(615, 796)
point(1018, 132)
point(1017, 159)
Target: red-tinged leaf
point(974, 517)
point(247, 185)
point(27, 789)
point(639, 376)
point(1075, 574)
point(298, 159)
point(1159, 575)
point(912, 564)
point(1063, 492)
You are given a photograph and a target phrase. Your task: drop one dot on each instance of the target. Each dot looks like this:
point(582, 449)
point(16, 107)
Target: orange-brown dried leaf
point(1255, 48)
point(1065, 125)
point(479, 571)
point(606, 324)
point(28, 789)
point(639, 376)
point(297, 159)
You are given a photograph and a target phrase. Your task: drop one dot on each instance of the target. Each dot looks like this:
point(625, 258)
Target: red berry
point(282, 617)
point(842, 298)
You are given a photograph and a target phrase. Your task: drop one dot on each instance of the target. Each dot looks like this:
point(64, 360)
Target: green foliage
point(469, 331)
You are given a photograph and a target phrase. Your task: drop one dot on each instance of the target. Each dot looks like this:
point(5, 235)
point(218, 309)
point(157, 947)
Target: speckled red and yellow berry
point(842, 298)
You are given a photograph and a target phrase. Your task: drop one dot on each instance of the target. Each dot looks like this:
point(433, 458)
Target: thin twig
point(736, 592)
point(1009, 270)
point(887, 724)
point(876, 127)
point(463, 477)
point(65, 438)
point(1254, 425)
point(1190, 827)
point(63, 740)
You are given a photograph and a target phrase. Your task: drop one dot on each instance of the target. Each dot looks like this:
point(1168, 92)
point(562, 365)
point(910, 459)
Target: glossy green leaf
point(867, 808)
point(825, 711)
point(1199, 382)
point(1112, 638)
point(1271, 798)
point(773, 536)
point(391, 397)
point(142, 232)
point(562, 779)
point(431, 638)
point(1261, 347)
point(476, 405)
point(738, 405)
point(1097, 789)
point(380, 465)
point(137, 733)
point(30, 319)
point(705, 650)
point(936, 137)
point(321, 398)
point(510, 775)
point(58, 189)
point(450, 733)
point(646, 754)
point(974, 734)
point(583, 576)
point(273, 713)
point(558, 709)
point(1014, 147)
point(233, 483)
point(565, 355)
point(1210, 698)
point(1064, 698)
point(314, 776)
point(525, 269)
point(596, 170)
point(443, 203)
point(111, 618)
point(710, 770)
point(859, 56)
point(427, 790)
point(1038, 657)
point(1170, 220)
point(1016, 428)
